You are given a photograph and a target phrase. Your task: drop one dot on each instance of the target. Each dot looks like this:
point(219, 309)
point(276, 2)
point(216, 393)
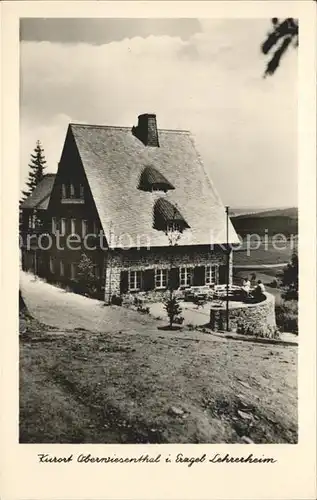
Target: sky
point(205, 76)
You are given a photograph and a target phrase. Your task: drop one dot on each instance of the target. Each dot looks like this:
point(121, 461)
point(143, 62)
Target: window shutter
point(173, 278)
point(124, 281)
point(199, 276)
point(222, 275)
point(148, 280)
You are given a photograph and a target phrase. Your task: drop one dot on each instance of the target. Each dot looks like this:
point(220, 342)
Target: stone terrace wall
point(255, 319)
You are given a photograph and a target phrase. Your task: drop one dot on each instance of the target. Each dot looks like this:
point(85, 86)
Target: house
point(35, 222)
point(138, 202)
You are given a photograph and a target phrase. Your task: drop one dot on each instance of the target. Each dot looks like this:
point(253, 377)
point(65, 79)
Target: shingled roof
point(114, 159)
point(40, 197)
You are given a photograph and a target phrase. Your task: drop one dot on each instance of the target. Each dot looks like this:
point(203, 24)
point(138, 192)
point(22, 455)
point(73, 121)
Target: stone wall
point(255, 319)
point(163, 258)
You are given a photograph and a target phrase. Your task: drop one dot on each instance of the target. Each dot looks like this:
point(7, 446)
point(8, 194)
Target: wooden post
point(228, 266)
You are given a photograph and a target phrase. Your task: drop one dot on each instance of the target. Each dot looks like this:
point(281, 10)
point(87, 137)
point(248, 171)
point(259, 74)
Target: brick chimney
point(146, 130)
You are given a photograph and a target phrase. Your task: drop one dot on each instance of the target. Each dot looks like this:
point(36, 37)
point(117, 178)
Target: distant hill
point(274, 212)
point(270, 221)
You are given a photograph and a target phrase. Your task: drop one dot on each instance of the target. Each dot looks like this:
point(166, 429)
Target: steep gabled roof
point(114, 159)
point(40, 197)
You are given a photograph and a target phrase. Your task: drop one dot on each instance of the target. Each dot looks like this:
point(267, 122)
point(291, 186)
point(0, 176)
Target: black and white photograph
point(158, 231)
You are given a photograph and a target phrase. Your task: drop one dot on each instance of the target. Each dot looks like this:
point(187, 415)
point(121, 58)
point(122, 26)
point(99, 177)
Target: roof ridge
point(124, 127)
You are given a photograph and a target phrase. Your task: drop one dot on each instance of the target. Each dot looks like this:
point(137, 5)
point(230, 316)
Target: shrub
point(143, 310)
point(85, 280)
point(244, 328)
point(290, 295)
point(273, 284)
point(116, 300)
point(172, 308)
point(287, 316)
point(290, 277)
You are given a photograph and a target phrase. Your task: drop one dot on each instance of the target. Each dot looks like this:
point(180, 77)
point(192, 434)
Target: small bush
point(273, 284)
point(287, 316)
point(143, 310)
point(116, 300)
point(290, 295)
point(173, 309)
point(244, 328)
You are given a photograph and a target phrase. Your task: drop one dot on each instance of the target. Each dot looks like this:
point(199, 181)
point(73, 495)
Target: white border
point(293, 476)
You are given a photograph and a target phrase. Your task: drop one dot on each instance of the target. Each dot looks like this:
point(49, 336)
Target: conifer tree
point(36, 172)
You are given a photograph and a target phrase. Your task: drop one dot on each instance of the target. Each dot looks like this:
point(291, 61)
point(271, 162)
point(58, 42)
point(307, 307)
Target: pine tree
point(36, 174)
point(37, 166)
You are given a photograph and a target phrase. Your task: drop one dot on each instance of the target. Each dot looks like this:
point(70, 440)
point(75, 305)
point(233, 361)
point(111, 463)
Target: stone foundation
point(253, 319)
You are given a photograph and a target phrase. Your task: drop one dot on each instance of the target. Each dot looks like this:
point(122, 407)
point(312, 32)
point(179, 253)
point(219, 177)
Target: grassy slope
point(269, 222)
point(265, 224)
point(282, 212)
point(264, 254)
point(118, 388)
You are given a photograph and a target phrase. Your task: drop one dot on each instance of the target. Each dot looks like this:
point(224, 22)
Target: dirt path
point(56, 307)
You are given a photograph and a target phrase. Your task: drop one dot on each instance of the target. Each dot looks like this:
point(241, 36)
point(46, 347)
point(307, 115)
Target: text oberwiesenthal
point(147, 459)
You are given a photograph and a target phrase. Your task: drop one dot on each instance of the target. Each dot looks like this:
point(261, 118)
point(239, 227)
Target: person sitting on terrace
point(258, 293)
point(246, 288)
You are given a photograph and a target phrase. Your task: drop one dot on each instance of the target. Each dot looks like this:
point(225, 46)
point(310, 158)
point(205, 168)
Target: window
point(32, 221)
point(61, 268)
point(96, 228)
point(84, 227)
point(81, 191)
point(72, 191)
point(173, 226)
point(54, 225)
point(64, 195)
point(72, 226)
point(73, 269)
point(52, 267)
point(63, 227)
point(157, 188)
point(135, 280)
point(185, 276)
point(160, 278)
point(211, 276)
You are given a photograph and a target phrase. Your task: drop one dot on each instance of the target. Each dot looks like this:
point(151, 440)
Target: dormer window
point(152, 180)
point(167, 217)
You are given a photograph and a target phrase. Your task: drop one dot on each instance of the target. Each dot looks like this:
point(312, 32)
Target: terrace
point(207, 306)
